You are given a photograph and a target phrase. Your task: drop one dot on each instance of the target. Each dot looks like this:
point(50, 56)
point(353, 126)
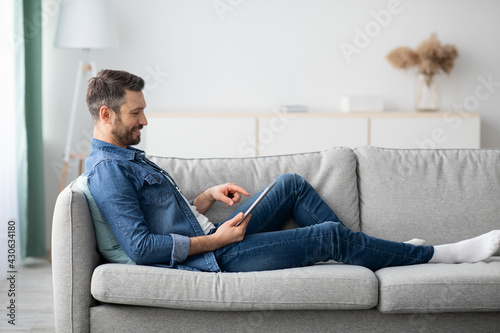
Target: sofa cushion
point(106, 242)
point(331, 172)
point(441, 196)
point(322, 286)
point(440, 288)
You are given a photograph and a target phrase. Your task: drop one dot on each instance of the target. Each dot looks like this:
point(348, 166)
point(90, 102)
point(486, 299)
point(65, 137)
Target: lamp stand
point(83, 67)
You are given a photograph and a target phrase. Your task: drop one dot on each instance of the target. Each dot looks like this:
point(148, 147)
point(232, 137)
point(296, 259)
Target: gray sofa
point(438, 195)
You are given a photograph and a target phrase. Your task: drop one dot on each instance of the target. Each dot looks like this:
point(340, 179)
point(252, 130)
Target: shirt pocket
point(155, 189)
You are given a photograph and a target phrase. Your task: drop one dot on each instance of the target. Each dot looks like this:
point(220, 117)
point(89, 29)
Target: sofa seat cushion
point(318, 287)
point(440, 288)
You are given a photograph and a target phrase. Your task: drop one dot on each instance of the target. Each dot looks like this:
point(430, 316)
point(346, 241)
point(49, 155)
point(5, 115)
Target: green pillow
point(106, 241)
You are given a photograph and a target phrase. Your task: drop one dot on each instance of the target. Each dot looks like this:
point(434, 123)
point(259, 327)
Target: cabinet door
point(199, 137)
point(282, 135)
point(449, 131)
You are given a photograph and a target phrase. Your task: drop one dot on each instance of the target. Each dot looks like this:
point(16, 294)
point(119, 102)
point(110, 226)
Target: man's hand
point(229, 193)
point(226, 234)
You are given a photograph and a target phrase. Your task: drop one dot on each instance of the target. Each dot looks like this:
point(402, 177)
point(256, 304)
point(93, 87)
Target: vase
point(427, 94)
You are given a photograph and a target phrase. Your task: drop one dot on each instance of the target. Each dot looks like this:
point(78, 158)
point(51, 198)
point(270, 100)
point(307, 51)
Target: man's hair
point(108, 89)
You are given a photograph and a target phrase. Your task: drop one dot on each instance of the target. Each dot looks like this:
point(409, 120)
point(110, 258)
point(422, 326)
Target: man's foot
point(416, 241)
point(470, 250)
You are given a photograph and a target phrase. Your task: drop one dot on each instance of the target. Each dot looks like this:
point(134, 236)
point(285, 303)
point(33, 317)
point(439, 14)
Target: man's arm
point(118, 199)
point(226, 234)
point(229, 193)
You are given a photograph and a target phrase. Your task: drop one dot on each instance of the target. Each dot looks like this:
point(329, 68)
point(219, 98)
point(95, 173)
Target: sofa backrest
point(439, 195)
point(331, 172)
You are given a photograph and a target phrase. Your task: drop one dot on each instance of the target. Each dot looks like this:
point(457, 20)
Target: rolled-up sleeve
point(180, 248)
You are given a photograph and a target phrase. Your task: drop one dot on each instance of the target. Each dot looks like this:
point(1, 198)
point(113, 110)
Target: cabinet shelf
point(245, 134)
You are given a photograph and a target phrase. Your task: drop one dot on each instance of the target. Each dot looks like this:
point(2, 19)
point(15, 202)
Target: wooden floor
point(34, 306)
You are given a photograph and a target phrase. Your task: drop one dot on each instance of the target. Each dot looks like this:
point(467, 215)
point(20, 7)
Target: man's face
point(127, 125)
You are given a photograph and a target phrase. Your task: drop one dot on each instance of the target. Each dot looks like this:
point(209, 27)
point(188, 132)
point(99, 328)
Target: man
point(156, 225)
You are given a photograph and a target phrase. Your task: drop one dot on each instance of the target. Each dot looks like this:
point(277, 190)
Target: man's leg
point(320, 242)
point(293, 197)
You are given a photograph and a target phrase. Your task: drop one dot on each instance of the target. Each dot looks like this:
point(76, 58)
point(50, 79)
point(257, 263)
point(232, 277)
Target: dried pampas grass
point(430, 56)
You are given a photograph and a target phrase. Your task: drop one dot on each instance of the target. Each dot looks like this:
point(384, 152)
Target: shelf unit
point(204, 134)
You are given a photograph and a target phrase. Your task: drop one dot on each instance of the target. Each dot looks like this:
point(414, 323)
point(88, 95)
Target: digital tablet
point(256, 202)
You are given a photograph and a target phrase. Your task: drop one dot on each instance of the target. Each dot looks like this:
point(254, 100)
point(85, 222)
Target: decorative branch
point(430, 57)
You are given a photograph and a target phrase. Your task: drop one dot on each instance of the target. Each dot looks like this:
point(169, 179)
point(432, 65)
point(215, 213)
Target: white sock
point(470, 250)
point(416, 241)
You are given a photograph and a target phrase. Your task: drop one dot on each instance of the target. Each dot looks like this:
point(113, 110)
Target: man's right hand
point(226, 234)
point(229, 193)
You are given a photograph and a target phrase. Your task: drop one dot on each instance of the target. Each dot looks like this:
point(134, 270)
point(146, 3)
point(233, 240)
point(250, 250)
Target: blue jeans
point(321, 236)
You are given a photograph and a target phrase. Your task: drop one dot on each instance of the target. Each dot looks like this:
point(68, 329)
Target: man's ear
point(105, 114)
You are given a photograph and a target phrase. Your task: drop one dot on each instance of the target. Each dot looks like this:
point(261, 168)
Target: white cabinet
point(305, 134)
point(199, 136)
point(450, 131)
point(260, 134)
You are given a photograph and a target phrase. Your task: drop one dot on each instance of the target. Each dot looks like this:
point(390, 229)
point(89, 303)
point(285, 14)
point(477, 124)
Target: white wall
point(259, 54)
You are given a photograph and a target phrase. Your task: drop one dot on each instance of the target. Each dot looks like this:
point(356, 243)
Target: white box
point(361, 104)
point(294, 108)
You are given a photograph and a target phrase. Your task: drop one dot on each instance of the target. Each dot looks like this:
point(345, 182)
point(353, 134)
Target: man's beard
point(124, 135)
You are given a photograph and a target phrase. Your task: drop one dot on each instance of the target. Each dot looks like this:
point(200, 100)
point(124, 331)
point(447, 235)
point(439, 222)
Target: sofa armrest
point(74, 258)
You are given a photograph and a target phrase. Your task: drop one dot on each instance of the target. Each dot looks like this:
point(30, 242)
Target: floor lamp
point(85, 25)
point(83, 68)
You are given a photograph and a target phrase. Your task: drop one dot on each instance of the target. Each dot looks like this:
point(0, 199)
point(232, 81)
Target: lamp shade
point(86, 24)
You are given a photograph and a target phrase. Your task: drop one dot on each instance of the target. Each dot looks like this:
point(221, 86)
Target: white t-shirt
point(204, 222)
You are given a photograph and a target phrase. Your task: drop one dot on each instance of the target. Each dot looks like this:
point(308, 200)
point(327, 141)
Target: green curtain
point(34, 244)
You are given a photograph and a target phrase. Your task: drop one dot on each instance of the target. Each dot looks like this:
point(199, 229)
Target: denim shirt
point(148, 215)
